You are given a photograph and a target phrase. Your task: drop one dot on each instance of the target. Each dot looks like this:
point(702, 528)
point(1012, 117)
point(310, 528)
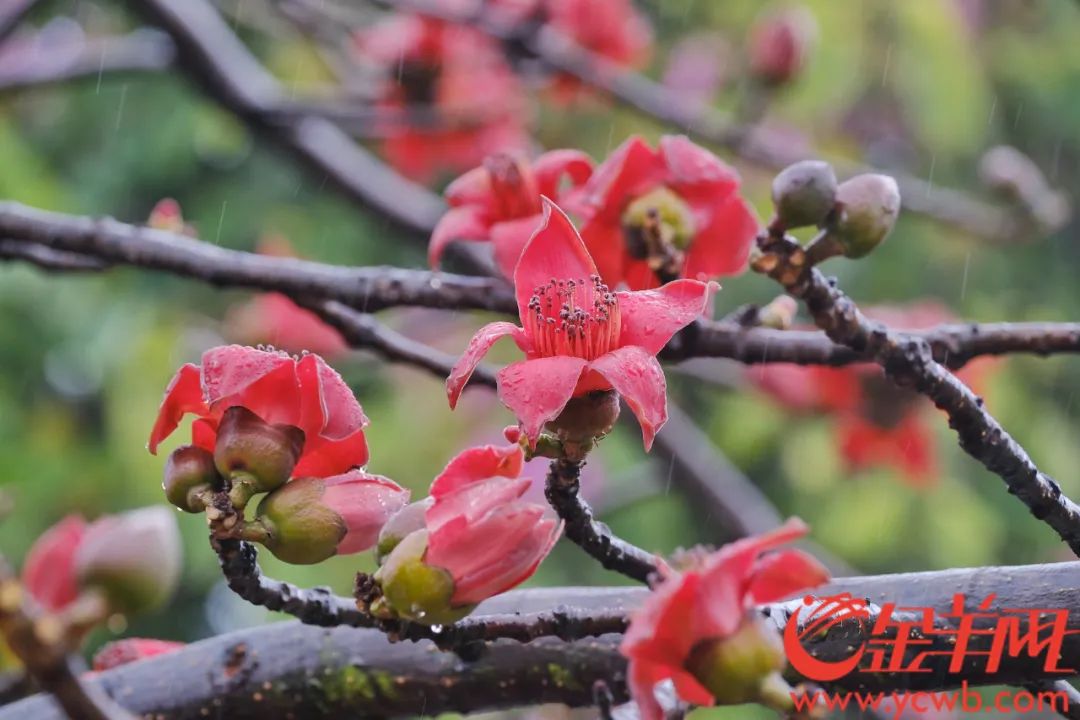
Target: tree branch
point(592, 536)
point(12, 13)
point(908, 361)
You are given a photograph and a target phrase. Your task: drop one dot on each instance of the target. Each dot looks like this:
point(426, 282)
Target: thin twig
point(12, 13)
point(908, 361)
point(592, 536)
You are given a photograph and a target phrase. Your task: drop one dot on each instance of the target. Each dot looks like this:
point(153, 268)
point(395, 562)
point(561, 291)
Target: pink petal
point(723, 247)
point(183, 395)
point(651, 317)
point(688, 162)
point(477, 464)
point(551, 167)
point(474, 501)
point(604, 241)
point(509, 239)
point(262, 381)
point(323, 458)
point(477, 348)
point(326, 394)
point(643, 677)
point(459, 223)
point(122, 652)
point(471, 188)
point(365, 502)
point(631, 170)
point(554, 252)
point(783, 573)
point(637, 376)
point(536, 391)
point(49, 573)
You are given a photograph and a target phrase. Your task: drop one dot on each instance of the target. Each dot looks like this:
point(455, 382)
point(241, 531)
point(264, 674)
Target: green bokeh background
point(85, 359)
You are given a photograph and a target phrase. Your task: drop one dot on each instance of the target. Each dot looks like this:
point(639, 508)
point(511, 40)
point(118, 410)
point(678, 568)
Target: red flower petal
point(536, 391)
point(723, 246)
point(643, 677)
point(122, 652)
point(365, 502)
point(478, 347)
point(509, 239)
point(551, 167)
point(637, 376)
point(554, 252)
point(690, 163)
point(651, 317)
point(604, 241)
point(784, 573)
point(322, 457)
point(328, 398)
point(262, 381)
point(477, 464)
point(49, 573)
point(631, 170)
point(183, 395)
point(460, 223)
point(471, 188)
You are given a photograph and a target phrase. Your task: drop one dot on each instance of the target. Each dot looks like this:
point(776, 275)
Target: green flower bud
point(134, 558)
point(741, 667)
point(404, 522)
point(300, 528)
point(866, 210)
point(255, 455)
point(674, 215)
point(414, 590)
point(804, 193)
point(190, 476)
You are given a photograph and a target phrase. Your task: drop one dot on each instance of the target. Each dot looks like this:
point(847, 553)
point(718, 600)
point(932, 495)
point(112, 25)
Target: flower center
point(658, 227)
point(579, 318)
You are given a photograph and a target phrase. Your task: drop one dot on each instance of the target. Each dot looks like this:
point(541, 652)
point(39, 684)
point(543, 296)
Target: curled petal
point(784, 573)
point(459, 223)
point(365, 502)
point(688, 162)
point(263, 382)
point(323, 457)
point(637, 376)
point(723, 246)
point(551, 167)
point(509, 239)
point(651, 317)
point(536, 391)
point(184, 395)
point(329, 407)
point(477, 464)
point(477, 348)
point(554, 252)
point(471, 188)
point(632, 169)
point(49, 573)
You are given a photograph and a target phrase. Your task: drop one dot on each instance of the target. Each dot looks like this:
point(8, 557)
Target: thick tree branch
point(139, 52)
point(40, 643)
point(46, 258)
point(908, 361)
point(12, 13)
point(585, 531)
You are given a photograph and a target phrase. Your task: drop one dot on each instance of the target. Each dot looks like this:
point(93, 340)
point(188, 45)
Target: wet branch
point(908, 361)
point(585, 531)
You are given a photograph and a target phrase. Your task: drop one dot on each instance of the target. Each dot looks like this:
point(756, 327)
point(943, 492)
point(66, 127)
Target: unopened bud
point(416, 591)
point(255, 455)
point(134, 558)
point(300, 529)
point(779, 314)
point(780, 45)
point(804, 193)
point(742, 667)
point(190, 475)
point(404, 522)
point(866, 210)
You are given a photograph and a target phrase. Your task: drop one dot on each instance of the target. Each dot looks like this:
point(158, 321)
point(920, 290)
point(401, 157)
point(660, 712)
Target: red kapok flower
point(122, 652)
point(695, 611)
point(477, 537)
point(670, 212)
point(580, 337)
point(877, 422)
point(49, 573)
point(460, 98)
point(499, 202)
point(274, 319)
point(303, 392)
point(612, 29)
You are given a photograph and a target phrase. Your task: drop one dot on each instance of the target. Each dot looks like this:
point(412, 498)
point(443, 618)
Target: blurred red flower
point(876, 422)
point(303, 392)
point(499, 202)
point(676, 211)
point(580, 337)
point(122, 652)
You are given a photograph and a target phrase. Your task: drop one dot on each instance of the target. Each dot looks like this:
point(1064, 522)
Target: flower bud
point(737, 668)
point(780, 44)
point(416, 590)
point(404, 522)
point(310, 519)
point(49, 571)
point(804, 193)
point(255, 455)
point(866, 211)
point(134, 558)
point(190, 475)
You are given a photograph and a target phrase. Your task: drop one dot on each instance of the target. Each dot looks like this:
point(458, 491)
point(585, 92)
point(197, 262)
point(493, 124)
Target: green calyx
point(256, 456)
point(740, 668)
point(296, 526)
point(190, 477)
point(416, 591)
point(401, 524)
